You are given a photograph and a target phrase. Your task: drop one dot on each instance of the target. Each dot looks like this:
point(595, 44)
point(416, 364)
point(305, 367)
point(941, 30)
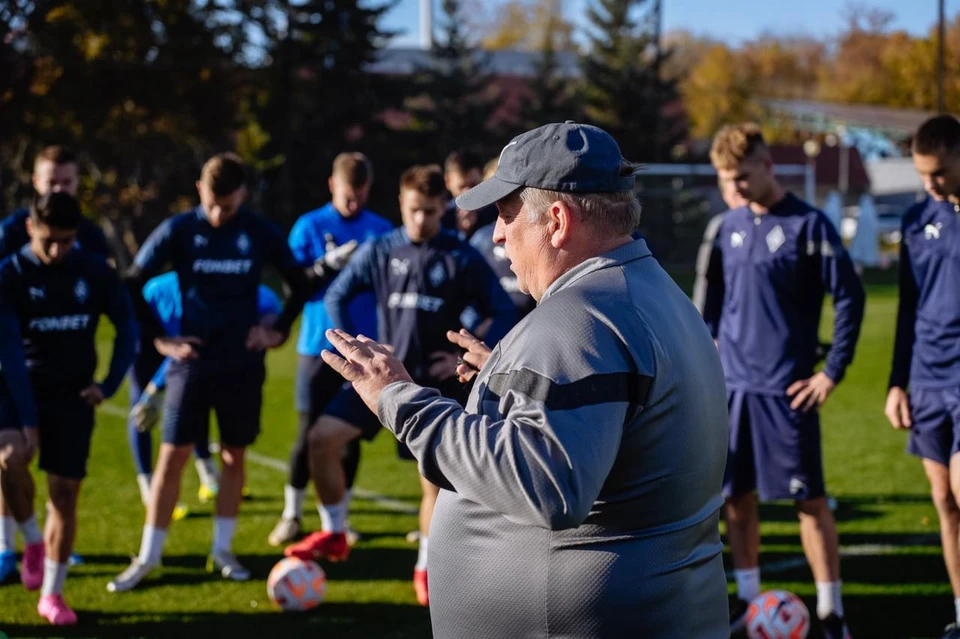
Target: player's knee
point(740, 507)
point(944, 500)
point(62, 497)
point(815, 508)
point(323, 437)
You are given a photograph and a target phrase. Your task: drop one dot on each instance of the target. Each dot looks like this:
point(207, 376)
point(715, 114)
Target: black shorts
point(65, 429)
point(9, 415)
point(234, 392)
point(316, 384)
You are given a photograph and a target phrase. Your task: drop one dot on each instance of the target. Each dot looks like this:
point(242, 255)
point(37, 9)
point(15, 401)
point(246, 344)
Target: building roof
point(406, 61)
point(828, 115)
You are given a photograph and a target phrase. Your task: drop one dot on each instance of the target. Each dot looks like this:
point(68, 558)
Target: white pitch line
point(387, 503)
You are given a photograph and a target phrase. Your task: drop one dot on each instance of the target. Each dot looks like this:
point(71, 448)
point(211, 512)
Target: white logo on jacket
point(438, 274)
point(737, 238)
point(775, 239)
point(932, 231)
point(243, 243)
point(36, 292)
point(399, 267)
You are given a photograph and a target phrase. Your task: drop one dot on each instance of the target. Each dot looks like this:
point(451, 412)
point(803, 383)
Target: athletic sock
point(422, 554)
point(143, 481)
point(956, 606)
point(54, 574)
point(8, 534)
point(292, 502)
point(223, 531)
point(31, 531)
point(333, 517)
point(828, 599)
point(748, 583)
point(151, 545)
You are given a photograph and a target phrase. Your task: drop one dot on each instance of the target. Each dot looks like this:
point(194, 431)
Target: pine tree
point(553, 98)
point(456, 98)
point(625, 91)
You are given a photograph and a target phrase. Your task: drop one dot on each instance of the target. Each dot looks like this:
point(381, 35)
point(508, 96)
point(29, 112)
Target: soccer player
point(706, 254)
point(423, 278)
point(58, 293)
point(926, 357)
point(779, 256)
point(218, 251)
point(54, 170)
point(462, 171)
point(343, 222)
point(162, 293)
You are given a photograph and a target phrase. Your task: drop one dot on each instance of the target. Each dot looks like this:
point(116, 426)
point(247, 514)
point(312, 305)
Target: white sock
point(223, 531)
point(347, 498)
point(333, 518)
point(292, 502)
point(748, 583)
point(8, 534)
point(31, 531)
point(143, 481)
point(422, 555)
point(828, 599)
point(956, 606)
point(151, 545)
point(54, 575)
point(208, 472)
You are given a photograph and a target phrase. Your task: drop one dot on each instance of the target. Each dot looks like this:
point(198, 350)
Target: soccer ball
point(777, 614)
point(296, 585)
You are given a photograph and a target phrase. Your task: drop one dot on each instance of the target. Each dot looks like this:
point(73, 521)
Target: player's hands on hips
point(370, 366)
point(475, 357)
point(897, 409)
point(179, 348)
point(810, 393)
point(260, 338)
point(92, 395)
point(443, 365)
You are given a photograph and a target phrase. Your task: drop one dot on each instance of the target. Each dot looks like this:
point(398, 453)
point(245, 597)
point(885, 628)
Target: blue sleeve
point(267, 302)
point(489, 298)
point(906, 319)
point(709, 288)
point(279, 254)
point(300, 243)
point(356, 277)
point(159, 378)
point(92, 238)
point(840, 279)
point(13, 367)
point(120, 311)
point(157, 251)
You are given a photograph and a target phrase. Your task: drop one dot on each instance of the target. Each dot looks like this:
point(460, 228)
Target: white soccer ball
point(777, 614)
point(296, 585)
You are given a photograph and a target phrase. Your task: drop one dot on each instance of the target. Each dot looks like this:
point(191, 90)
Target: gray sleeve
point(706, 255)
point(543, 460)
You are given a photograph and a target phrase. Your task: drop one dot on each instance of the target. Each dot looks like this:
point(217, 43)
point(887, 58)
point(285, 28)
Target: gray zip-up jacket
point(581, 484)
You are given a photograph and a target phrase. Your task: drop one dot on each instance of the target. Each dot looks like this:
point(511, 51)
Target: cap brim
point(486, 193)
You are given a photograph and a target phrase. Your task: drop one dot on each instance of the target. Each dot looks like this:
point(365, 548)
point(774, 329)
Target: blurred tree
point(625, 90)
point(717, 91)
point(530, 25)
point(553, 96)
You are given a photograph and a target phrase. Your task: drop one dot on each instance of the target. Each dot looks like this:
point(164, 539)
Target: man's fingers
point(795, 387)
point(904, 407)
point(348, 346)
point(800, 398)
point(456, 338)
point(474, 360)
point(350, 372)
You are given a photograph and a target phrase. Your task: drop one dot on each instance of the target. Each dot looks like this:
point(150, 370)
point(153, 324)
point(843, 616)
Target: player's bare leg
point(59, 535)
point(164, 493)
point(327, 439)
point(818, 534)
point(743, 535)
point(230, 495)
point(427, 503)
point(17, 511)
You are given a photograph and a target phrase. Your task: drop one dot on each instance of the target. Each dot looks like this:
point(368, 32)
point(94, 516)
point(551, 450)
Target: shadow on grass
point(847, 510)
point(343, 621)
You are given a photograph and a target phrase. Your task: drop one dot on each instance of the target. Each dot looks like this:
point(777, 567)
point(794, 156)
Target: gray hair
point(617, 213)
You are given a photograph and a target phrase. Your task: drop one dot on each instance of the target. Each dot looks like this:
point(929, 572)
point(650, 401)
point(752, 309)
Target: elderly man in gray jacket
point(581, 483)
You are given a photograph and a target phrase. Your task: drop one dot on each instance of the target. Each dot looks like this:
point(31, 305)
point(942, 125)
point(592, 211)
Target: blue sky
point(728, 20)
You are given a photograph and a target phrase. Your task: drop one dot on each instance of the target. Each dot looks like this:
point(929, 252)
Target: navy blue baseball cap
point(571, 157)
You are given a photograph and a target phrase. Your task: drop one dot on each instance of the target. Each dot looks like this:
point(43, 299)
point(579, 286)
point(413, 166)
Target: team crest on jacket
point(243, 243)
point(36, 293)
point(736, 238)
point(932, 231)
point(775, 239)
point(438, 274)
point(199, 240)
point(80, 290)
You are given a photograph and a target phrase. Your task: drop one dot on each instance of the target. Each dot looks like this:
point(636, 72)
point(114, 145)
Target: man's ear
point(561, 223)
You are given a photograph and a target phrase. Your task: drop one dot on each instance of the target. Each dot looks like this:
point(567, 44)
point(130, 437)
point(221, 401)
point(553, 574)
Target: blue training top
point(162, 293)
point(764, 296)
point(308, 242)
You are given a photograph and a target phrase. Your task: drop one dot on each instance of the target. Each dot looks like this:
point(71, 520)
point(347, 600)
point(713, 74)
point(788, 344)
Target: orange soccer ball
point(296, 585)
point(777, 614)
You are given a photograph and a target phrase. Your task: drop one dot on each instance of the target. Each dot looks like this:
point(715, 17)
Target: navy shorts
point(65, 429)
point(935, 433)
point(233, 391)
point(348, 406)
point(773, 449)
point(317, 383)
